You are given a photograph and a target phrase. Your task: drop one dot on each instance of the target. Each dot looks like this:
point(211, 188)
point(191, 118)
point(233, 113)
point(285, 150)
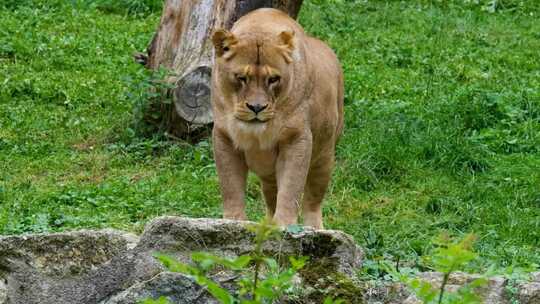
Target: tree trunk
point(182, 44)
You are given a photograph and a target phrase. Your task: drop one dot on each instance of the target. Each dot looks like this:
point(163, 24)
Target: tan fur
point(277, 98)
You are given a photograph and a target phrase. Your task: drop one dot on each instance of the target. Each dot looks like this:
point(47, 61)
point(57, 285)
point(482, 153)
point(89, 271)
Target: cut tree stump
point(182, 45)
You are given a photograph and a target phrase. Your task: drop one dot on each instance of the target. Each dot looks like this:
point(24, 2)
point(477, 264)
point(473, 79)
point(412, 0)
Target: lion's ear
point(288, 44)
point(223, 40)
point(287, 38)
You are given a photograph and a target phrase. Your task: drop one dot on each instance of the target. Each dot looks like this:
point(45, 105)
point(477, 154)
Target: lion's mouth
point(256, 120)
point(252, 118)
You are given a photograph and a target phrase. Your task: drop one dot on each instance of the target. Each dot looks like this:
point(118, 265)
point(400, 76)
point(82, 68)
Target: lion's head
point(255, 72)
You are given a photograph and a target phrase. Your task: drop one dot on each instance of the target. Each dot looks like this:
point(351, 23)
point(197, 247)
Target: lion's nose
point(256, 108)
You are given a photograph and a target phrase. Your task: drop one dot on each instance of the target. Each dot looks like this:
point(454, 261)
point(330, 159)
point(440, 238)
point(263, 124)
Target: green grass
point(442, 124)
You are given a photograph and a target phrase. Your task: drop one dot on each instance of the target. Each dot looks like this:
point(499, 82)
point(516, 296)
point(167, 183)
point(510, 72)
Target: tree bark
point(182, 44)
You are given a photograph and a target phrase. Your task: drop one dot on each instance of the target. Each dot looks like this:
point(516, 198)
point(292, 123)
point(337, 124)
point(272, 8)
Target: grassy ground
point(442, 129)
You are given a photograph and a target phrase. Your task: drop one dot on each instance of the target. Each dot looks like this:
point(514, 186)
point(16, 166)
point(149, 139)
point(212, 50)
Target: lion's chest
point(261, 162)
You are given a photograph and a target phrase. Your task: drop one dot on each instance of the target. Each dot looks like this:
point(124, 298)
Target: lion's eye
point(273, 80)
point(242, 79)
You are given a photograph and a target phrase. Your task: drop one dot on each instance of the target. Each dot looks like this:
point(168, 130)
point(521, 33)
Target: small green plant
point(448, 258)
point(260, 279)
point(145, 92)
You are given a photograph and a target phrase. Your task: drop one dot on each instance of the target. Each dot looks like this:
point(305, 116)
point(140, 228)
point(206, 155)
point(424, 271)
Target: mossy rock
point(321, 281)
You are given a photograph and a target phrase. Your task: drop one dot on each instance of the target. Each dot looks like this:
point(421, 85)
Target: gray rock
point(493, 292)
point(3, 291)
point(88, 267)
point(177, 288)
point(65, 254)
point(377, 292)
point(529, 293)
point(72, 267)
point(182, 236)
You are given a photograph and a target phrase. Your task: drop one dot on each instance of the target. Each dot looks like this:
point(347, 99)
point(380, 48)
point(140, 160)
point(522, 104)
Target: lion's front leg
point(291, 170)
point(232, 173)
point(269, 190)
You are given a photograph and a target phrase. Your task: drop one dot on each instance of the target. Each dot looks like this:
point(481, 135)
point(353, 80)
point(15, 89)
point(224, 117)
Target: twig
point(443, 285)
point(256, 275)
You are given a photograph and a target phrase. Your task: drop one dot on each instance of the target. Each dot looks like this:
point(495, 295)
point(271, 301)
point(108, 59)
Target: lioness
point(277, 97)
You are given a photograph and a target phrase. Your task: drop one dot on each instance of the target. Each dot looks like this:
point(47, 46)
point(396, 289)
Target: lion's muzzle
point(257, 107)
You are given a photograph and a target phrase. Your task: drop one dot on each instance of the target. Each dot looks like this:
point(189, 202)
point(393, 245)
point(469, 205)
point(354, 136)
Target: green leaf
point(172, 265)
point(329, 300)
point(450, 257)
point(298, 263)
point(161, 300)
point(219, 293)
point(206, 260)
point(242, 261)
point(272, 263)
point(265, 292)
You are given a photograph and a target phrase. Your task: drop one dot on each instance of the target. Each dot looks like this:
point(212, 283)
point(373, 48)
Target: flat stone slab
point(109, 266)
